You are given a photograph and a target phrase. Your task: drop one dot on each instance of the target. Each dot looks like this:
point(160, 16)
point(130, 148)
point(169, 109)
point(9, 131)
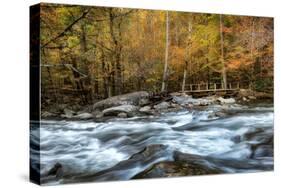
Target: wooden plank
point(198, 91)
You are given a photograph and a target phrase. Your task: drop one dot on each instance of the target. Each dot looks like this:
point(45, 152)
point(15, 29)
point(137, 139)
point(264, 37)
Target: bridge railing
point(211, 86)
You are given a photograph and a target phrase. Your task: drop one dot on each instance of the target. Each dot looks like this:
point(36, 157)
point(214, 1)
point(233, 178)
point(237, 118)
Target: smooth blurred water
point(89, 147)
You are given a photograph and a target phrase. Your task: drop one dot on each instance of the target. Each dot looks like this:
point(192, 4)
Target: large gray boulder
point(134, 98)
point(186, 100)
point(162, 105)
point(114, 111)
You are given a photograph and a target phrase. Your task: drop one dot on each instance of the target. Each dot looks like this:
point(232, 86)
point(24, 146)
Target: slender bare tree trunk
point(188, 54)
point(224, 80)
point(164, 81)
point(184, 77)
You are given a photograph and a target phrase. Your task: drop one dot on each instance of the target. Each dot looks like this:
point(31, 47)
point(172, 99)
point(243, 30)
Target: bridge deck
point(210, 90)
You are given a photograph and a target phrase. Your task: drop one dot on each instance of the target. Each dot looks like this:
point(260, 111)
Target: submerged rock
point(183, 165)
point(125, 99)
point(263, 151)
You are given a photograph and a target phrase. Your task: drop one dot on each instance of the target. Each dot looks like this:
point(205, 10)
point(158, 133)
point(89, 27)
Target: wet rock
point(174, 105)
point(145, 110)
point(188, 100)
point(182, 99)
point(175, 169)
point(122, 115)
point(236, 139)
point(143, 102)
point(183, 165)
point(56, 171)
point(162, 105)
point(84, 116)
point(263, 151)
point(67, 113)
point(148, 155)
point(97, 114)
point(125, 99)
point(226, 101)
point(114, 111)
point(47, 114)
point(220, 114)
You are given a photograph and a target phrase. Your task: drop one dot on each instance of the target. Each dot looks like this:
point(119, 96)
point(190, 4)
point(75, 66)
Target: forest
point(92, 53)
point(133, 93)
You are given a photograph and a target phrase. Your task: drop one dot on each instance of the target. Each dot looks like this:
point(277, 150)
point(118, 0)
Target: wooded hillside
point(90, 53)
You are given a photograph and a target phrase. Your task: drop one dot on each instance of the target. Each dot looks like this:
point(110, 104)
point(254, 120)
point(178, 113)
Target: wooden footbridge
point(205, 89)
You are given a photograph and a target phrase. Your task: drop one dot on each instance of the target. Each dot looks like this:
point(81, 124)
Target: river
point(87, 147)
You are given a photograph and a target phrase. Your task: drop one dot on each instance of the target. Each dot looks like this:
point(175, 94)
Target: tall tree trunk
point(252, 46)
point(164, 81)
point(188, 53)
point(105, 76)
point(184, 77)
point(117, 85)
point(224, 78)
point(110, 81)
point(85, 65)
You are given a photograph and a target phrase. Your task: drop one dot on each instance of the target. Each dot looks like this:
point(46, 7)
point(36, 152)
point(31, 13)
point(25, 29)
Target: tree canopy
point(98, 52)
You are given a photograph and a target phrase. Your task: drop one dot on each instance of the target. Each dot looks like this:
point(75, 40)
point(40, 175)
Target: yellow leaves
point(73, 41)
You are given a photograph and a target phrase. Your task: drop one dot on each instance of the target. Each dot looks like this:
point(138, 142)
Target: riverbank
point(143, 103)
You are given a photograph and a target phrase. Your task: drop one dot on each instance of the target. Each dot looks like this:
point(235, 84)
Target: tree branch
point(66, 29)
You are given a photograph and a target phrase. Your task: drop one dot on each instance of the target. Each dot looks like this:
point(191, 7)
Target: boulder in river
point(183, 165)
point(114, 111)
point(56, 170)
point(162, 105)
point(182, 99)
point(175, 169)
point(125, 99)
point(84, 116)
point(226, 101)
point(145, 110)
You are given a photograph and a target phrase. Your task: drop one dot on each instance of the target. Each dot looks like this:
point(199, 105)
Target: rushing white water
point(89, 147)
